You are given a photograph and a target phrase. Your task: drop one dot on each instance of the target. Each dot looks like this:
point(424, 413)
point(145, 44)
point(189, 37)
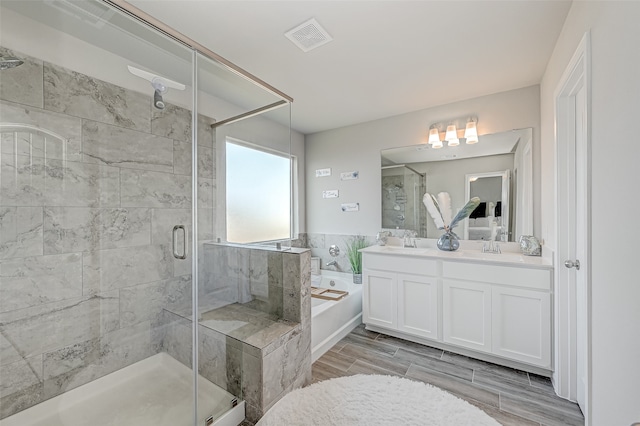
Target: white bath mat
point(373, 400)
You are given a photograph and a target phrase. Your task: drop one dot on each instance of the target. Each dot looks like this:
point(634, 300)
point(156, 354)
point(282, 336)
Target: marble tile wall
point(320, 243)
point(92, 181)
point(274, 287)
point(219, 356)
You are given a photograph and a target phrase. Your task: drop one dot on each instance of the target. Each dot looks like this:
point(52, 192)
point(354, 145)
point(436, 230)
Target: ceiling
point(386, 57)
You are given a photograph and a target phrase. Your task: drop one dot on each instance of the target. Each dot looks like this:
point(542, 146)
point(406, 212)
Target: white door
point(418, 305)
point(379, 299)
point(521, 325)
point(581, 248)
point(573, 232)
point(466, 314)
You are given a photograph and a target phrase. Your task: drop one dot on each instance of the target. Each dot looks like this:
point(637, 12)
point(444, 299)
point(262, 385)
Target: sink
point(497, 257)
point(408, 250)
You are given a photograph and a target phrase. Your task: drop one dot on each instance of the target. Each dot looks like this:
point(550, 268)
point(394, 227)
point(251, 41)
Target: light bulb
point(434, 136)
point(471, 133)
point(437, 145)
point(452, 133)
point(453, 142)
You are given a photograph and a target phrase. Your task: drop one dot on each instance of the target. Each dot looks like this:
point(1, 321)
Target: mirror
point(489, 221)
point(505, 159)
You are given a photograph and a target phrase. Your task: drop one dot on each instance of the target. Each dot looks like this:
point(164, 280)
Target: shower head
point(158, 102)
point(159, 88)
point(7, 62)
point(160, 85)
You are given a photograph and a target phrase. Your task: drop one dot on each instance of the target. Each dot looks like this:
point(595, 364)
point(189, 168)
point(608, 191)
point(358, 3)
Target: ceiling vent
point(308, 35)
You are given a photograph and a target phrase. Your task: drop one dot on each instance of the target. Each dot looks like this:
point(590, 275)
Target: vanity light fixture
point(451, 135)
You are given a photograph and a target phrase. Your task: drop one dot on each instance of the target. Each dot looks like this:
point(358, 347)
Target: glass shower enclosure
point(402, 191)
point(109, 191)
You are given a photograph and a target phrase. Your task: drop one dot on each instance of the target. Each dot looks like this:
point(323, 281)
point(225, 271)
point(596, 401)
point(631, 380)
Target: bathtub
point(332, 320)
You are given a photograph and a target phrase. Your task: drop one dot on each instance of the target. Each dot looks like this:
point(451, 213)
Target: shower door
point(108, 199)
point(95, 173)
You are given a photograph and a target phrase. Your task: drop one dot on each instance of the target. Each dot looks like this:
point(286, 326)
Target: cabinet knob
point(572, 264)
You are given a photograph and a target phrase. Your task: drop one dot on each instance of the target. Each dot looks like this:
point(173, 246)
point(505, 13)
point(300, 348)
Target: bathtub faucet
point(332, 263)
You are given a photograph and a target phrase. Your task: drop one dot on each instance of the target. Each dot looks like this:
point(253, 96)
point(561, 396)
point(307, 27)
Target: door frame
point(575, 77)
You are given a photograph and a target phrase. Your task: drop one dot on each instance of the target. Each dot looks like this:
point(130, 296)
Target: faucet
point(493, 247)
point(334, 251)
point(409, 239)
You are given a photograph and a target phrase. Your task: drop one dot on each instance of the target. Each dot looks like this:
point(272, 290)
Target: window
point(258, 194)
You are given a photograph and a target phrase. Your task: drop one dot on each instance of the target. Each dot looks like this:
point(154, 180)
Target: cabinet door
point(418, 305)
point(466, 314)
point(380, 299)
point(522, 325)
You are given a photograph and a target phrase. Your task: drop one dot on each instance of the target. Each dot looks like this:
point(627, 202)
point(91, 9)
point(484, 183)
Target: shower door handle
point(176, 254)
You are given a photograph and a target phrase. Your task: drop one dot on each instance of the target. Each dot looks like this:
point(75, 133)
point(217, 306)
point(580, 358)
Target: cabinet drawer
point(539, 279)
point(406, 264)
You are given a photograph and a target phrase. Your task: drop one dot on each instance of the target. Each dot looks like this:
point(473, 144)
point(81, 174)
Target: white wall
point(358, 148)
point(615, 103)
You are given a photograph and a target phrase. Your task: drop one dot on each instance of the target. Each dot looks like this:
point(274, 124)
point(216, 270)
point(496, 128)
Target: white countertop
point(464, 255)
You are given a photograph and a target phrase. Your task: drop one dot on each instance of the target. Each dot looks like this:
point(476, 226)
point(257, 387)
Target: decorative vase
point(357, 278)
point(448, 241)
point(530, 246)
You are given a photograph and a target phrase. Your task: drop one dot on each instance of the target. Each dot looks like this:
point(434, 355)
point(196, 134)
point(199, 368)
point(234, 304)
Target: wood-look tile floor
point(512, 397)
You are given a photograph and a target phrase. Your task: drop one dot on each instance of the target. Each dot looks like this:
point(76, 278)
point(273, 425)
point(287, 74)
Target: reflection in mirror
point(490, 220)
point(402, 191)
point(446, 169)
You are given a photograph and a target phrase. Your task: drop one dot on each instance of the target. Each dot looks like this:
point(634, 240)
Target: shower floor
point(157, 391)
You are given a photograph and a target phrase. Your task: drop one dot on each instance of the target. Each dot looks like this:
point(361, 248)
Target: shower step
point(157, 391)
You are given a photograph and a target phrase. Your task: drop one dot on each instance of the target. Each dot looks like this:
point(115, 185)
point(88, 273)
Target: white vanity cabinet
point(500, 311)
point(401, 293)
